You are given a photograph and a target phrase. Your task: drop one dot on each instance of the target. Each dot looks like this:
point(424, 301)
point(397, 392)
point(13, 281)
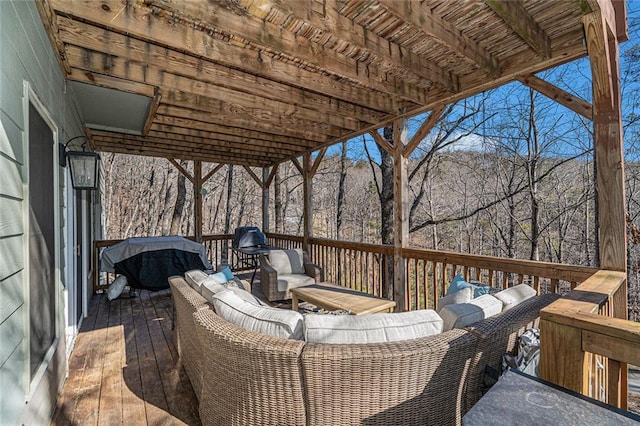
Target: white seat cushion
point(512, 296)
point(287, 261)
point(276, 322)
point(463, 314)
point(463, 295)
point(289, 281)
point(372, 328)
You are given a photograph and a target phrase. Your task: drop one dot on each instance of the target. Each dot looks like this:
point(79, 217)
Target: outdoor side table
point(519, 399)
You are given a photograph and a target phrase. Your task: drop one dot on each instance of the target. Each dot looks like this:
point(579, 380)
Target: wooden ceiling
point(258, 82)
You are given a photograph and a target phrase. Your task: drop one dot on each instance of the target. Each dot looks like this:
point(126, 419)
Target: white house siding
point(26, 55)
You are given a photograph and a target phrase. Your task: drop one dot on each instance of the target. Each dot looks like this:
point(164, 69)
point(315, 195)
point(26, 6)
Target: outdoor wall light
point(82, 164)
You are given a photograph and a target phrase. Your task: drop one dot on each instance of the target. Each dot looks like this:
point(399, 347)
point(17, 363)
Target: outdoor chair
point(282, 270)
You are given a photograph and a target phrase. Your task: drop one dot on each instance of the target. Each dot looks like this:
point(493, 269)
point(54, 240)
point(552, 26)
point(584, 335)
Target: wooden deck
point(125, 367)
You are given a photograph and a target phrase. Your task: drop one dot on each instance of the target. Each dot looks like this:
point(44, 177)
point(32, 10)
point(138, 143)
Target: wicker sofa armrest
point(499, 335)
point(406, 382)
point(268, 279)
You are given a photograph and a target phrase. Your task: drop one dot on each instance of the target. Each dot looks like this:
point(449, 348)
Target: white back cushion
point(463, 314)
point(512, 296)
point(373, 328)
point(195, 278)
point(463, 295)
point(287, 261)
point(261, 319)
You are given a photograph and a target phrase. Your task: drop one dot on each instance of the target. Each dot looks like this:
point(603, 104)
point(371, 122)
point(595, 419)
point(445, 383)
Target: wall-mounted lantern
point(82, 164)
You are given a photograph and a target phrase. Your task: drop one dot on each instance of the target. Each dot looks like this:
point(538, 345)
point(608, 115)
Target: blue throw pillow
point(458, 283)
point(227, 273)
point(479, 290)
point(219, 277)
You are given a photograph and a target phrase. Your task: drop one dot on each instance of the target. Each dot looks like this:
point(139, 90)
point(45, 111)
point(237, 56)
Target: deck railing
point(588, 341)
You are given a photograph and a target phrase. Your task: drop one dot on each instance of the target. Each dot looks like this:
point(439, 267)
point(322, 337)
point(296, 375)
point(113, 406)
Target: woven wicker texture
point(499, 335)
point(186, 302)
point(414, 382)
point(249, 378)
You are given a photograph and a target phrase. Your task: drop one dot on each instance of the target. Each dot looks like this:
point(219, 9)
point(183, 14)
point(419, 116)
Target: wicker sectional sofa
point(246, 378)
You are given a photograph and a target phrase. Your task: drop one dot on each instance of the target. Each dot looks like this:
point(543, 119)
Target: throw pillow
point(116, 287)
point(457, 283)
point(464, 314)
point(227, 273)
point(219, 277)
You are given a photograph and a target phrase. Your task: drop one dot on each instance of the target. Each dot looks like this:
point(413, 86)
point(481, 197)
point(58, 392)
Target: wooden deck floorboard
point(125, 368)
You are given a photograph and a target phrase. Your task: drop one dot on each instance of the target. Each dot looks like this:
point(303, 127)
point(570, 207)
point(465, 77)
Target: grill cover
point(149, 262)
point(249, 236)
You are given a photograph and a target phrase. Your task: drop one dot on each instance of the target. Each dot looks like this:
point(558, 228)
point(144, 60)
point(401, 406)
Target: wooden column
point(197, 199)
point(307, 184)
point(605, 70)
point(400, 214)
point(265, 199)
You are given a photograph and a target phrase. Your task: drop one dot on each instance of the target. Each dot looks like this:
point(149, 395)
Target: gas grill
point(248, 243)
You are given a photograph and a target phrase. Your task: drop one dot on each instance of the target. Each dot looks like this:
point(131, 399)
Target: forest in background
point(507, 173)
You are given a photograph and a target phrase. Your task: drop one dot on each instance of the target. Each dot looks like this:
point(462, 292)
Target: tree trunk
point(341, 190)
point(386, 207)
point(179, 205)
point(534, 152)
point(277, 201)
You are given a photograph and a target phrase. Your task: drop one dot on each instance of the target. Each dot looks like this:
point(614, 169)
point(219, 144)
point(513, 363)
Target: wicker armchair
point(282, 270)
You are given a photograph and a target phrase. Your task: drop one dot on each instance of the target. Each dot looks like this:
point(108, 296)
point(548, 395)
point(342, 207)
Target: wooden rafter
point(297, 164)
point(254, 177)
point(417, 13)
point(574, 103)
point(336, 30)
point(110, 82)
point(317, 161)
point(272, 174)
point(266, 35)
point(516, 16)
point(212, 172)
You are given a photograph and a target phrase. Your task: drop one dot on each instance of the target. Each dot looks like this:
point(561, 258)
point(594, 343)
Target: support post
point(400, 214)
point(265, 199)
point(197, 199)
point(307, 182)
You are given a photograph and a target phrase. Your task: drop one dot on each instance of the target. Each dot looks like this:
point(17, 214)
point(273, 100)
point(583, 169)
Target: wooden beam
point(605, 70)
point(274, 170)
point(181, 169)
point(382, 142)
point(212, 172)
point(197, 199)
point(516, 16)
point(205, 130)
point(173, 61)
point(144, 25)
point(254, 176)
point(296, 163)
point(340, 33)
point(265, 35)
point(401, 209)
point(51, 28)
point(574, 103)
point(198, 95)
point(110, 82)
point(422, 131)
point(317, 161)
point(153, 108)
point(419, 14)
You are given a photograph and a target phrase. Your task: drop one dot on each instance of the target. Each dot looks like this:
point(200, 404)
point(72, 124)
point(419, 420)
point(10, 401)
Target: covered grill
point(149, 262)
point(249, 242)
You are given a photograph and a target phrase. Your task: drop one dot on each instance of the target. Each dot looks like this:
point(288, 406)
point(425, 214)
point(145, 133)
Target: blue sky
point(564, 121)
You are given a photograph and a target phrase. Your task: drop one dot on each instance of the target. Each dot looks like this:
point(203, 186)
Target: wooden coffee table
point(333, 297)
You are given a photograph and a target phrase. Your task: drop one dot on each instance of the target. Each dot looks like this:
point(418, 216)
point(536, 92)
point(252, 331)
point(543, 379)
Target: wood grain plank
point(133, 406)
point(110, 404)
